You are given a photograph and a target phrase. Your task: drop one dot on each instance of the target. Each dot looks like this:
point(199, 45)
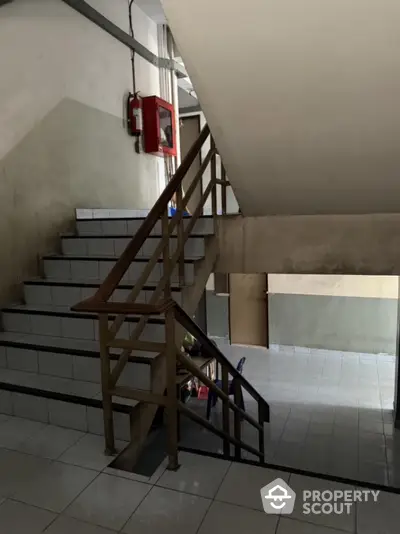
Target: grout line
point(293, 470)
point(137, 507)
point(328, 527)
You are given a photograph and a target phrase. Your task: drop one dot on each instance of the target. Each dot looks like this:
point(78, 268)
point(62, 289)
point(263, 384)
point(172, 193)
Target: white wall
point(63, 143)
point(302, 98)
point(231, 202)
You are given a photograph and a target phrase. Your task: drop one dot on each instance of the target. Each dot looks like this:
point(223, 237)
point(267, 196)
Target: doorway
point(248, 309)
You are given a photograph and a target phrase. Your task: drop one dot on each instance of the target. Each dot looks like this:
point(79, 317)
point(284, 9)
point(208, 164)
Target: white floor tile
point(55, 487)
point(19, 518)
point(300, 483)
point(16, 430)
point(243, 483)
point(292, 526)
point(381, 517)
point(51, 442)
point(69, 525)
point(89, 452)
point(17, 469)
point(228, 518)
point(109, 501)
point(168, 512)
point(199, 475)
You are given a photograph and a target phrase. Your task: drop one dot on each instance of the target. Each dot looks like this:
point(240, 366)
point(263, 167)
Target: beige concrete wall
point(335, 285)
point(62, 139)
point(338, 312)
point(323, 244)
point(302, 98)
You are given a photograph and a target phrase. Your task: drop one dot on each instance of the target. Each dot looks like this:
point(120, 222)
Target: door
point(248, 309)
point(189, 132)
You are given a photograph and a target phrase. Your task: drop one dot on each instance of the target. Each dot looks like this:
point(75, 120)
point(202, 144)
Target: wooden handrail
point(121, 266)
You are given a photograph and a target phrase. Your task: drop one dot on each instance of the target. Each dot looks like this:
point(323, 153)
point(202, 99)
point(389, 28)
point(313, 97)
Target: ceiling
point(301, 97)
point(153, 9)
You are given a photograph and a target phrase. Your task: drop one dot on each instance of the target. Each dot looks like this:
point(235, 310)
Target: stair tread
point(142, 259)
point(92, 282)
point(72, 235)
point(77, 346)
point(65, 311)
point(133, 218)
point(53, 384)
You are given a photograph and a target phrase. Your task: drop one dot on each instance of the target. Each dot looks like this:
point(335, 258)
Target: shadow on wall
point(77, 156)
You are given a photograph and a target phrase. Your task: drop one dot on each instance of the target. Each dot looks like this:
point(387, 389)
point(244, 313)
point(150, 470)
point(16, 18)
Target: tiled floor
point(330, 411)
point(69, 488)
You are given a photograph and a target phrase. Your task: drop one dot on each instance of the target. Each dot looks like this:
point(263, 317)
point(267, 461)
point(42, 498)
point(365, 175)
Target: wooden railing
point(112, 315)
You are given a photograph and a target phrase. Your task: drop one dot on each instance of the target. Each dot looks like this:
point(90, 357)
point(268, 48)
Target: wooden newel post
point(223, 189)
point(106, 385)
point(166, 254)
point(172, 404)
point(180, 231)
point(214, 181)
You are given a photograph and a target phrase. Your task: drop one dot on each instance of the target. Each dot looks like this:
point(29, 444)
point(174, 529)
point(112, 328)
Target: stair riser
point(65, 269)
point(60, 413)
point(83, 368)
point(86, 246)
point(129, 228)
point(68, 296)
point(71, 327)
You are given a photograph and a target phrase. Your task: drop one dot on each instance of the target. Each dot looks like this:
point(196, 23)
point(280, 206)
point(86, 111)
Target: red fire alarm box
point(159, 126)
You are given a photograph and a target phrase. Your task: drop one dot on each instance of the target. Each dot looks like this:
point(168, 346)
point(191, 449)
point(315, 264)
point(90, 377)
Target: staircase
point(106, 364)
point(49, 355)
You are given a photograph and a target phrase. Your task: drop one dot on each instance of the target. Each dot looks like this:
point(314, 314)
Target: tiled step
point(70, 358)
point(81, 267)
point(99, 245)
point(48, 292)
point(129, 227)
point(60, 401)
point(61, 322)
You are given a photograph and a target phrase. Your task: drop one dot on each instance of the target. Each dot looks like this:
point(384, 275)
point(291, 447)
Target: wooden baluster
point(105, 384)
point(172, 405)
point(238, 399)
point(261, 441)
point(166, 255)
point(180, 232)
point(223, 189)
point(214, 183)
point(225, 410)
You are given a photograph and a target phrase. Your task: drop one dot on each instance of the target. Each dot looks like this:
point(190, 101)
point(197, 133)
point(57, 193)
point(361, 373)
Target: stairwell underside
point(315, 244)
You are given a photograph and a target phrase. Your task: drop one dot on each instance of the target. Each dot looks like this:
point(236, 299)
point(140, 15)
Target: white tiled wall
point(60, 413)
point(88, 213)
point(130, 227)
point(30, 407)
point(22, 359)
point(109, 246)
point(41, 295)
point(71, 327)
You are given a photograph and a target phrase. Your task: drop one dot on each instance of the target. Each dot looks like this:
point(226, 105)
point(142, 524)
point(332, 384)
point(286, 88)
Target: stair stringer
point(143, 414)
